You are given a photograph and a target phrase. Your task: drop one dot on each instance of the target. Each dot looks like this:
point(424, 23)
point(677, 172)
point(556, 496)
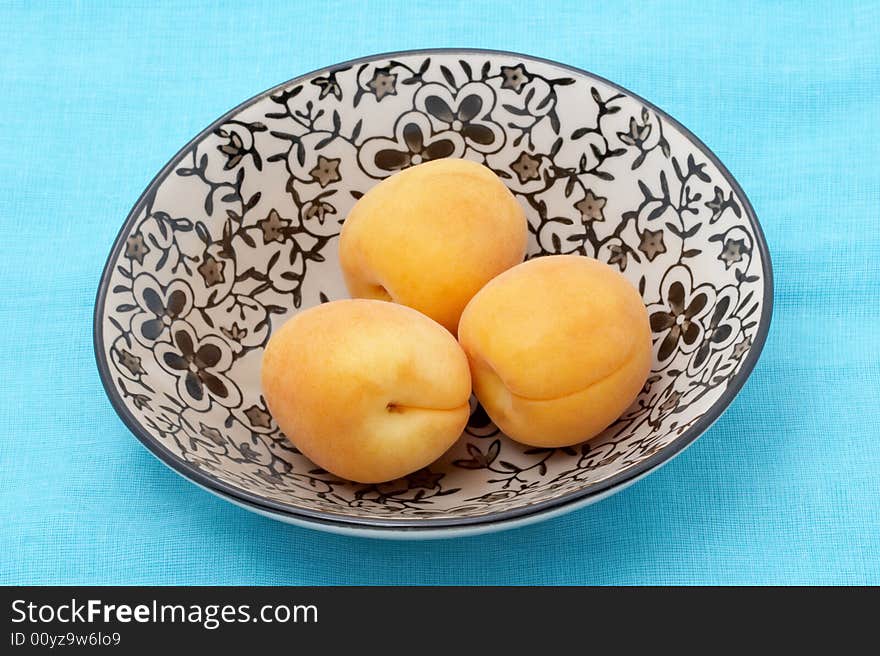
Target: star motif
point(258, 417)
point(733, 252)
point(212, 271)
point(135, 248)
point(515, 77)
point(130, 362)
point(326, 171)
point(526, 167)
point(383, 83)
point(742, 347)
point(273, 227)
point(591, 207)
point(212, 434)
point(652, 244)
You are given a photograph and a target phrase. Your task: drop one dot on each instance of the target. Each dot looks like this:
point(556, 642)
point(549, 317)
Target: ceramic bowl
point(240, 231)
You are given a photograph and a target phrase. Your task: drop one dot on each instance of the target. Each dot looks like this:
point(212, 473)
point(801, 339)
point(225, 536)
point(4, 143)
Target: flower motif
point(526, 167)
point(384, 83)
point(465, 111)
point(233, 149)
point(680, 316)
point(618, 256)
point(326, 171)
point(234, 333)
point(273, 227)
point(722, 328)
point(637, 133)
point(258, 417)
point(424, 479)
point(414, 142)
point(135, 248)
point(652, 244)
point(515, 77)
point(742, 347)
point(328, 86)
point(591, 207)
point(200, 366)
point(160, 306)
point(318, 210)
point(212, 434)
point(733, 251)
point(212, 271)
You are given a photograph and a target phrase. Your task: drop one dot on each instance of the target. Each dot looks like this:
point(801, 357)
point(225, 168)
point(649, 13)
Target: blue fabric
point(785, 488)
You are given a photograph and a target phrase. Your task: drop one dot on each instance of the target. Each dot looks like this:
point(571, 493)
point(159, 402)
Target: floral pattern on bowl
point(240, 231)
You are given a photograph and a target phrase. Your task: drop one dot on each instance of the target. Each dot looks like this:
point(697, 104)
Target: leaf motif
point(466, 68)
point(692, 231)
point(657, 212)
point(545, 102)
point(450, 78)
point(493, 450)
point(324, 142)
point(467, 464)
point(673, 229)
point(554, 120)
point(247, 239)
point(637, 162)
point(202, 232)
point(515, 110)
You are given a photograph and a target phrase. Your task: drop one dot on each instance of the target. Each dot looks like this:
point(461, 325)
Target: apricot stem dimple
point(379, 293)
point(393, 407)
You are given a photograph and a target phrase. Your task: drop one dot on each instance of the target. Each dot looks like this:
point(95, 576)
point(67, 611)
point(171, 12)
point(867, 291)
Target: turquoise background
point(785, 488)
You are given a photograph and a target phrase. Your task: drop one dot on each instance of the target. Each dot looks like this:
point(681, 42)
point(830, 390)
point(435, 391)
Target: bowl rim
point(411, 526)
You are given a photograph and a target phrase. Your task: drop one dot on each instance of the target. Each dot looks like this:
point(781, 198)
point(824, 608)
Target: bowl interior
point(240, 231)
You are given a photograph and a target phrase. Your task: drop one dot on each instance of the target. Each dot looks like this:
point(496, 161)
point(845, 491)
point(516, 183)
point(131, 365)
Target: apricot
point(431, 236)
point(368, 390)
point(558, 347)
